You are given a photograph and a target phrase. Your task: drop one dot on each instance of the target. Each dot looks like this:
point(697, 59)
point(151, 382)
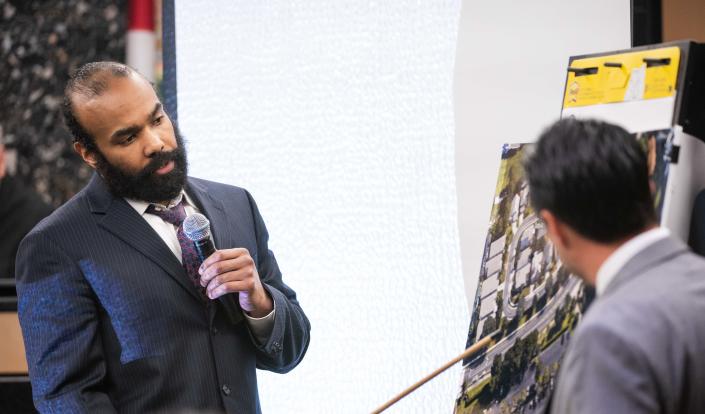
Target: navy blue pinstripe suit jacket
point(111, 322)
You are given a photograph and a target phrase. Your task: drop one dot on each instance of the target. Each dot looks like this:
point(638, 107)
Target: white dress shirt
point(261, 328)
point(616, 261)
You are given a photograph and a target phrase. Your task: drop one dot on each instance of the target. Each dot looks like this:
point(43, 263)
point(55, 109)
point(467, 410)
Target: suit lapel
point(223, 229)
point(211, 208)
point(656, 253)
point(120, 219)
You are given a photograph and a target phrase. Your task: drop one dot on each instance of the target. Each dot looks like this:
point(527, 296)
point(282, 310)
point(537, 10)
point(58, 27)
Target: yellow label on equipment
point(647, 74)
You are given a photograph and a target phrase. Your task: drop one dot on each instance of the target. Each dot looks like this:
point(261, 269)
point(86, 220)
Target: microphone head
point(197, 227)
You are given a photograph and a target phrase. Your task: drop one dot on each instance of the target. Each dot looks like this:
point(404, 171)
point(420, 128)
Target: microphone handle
point(205, 248)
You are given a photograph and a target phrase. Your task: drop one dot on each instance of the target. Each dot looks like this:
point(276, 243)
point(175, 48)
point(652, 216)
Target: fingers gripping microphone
point(198, 229)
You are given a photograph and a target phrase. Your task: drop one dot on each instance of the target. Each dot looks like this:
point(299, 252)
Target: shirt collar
point(616, 261)
point(141, 206)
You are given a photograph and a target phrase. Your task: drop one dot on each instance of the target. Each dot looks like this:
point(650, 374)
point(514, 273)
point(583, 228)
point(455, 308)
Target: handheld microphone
point(197, 228)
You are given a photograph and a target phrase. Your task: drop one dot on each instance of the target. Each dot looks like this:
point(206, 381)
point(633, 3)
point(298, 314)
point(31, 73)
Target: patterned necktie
point(189, 256)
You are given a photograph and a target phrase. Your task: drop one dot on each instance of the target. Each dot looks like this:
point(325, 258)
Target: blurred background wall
point(41, 42)
point(683, 19)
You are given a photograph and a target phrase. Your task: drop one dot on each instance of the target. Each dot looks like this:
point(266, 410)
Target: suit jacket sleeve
point(58, 315)
point(607, 374)
point(289, 339)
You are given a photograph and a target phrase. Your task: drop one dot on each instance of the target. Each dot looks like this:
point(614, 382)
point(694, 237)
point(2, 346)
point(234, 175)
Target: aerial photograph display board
point(526, 299)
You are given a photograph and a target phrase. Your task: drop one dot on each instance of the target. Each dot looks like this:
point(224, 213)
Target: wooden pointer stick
point(467, 353)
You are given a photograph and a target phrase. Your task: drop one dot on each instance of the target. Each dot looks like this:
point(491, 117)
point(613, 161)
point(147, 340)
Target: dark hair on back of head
point(89, 80)
point(593, 176)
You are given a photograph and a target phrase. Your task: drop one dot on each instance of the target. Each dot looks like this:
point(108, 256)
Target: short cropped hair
point(89, 80)
point(593, 176)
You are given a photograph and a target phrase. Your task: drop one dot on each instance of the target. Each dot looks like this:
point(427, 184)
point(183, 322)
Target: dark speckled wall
point(41, 42)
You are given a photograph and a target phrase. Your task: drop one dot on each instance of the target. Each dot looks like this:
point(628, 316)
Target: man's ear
point(555, 229)
point(88, 156)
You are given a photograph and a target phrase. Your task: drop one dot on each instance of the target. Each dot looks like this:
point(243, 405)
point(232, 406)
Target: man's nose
point(154, 143)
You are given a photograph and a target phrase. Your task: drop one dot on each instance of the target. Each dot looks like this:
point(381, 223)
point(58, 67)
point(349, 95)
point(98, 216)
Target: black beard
point(145, 185)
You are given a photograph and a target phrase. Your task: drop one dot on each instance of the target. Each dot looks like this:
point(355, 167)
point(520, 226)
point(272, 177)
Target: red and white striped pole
point(141, 40)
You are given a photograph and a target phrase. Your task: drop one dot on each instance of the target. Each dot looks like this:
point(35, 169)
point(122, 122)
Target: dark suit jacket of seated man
point(697, 225)
point(115, 314)
point(21, 208)
point(640, 347)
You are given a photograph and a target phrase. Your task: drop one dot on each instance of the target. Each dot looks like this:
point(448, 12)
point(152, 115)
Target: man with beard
point(116, 314)
point(641, 346)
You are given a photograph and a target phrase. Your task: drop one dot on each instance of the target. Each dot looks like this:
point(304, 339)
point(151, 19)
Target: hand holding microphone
point(228, 270)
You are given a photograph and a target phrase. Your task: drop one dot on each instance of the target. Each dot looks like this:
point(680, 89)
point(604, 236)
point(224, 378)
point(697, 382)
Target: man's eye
point(129, 139)
point(157, 120)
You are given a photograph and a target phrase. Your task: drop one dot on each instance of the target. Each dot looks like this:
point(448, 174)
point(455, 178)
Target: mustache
point(158, 161)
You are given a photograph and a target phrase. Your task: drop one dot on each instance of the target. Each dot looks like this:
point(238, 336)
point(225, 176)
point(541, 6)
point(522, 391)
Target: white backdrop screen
point(337, 116)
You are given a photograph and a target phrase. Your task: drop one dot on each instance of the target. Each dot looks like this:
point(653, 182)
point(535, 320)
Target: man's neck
point(176, 200)
point(141, 205)
point(596, 254)
point(594, 257)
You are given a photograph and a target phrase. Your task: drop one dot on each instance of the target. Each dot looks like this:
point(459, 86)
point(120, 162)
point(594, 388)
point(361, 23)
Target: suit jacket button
point(214, 331)
point(226, 389)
